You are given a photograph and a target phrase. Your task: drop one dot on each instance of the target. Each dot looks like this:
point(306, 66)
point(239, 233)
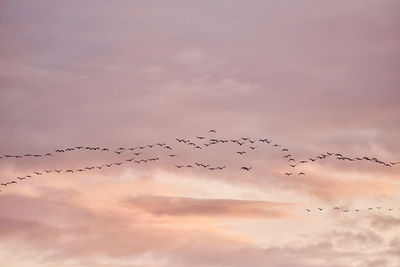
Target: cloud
point(180, 206)
point(383, 222)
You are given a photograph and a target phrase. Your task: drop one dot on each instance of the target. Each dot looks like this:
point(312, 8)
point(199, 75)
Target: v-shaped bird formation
point(243, 145)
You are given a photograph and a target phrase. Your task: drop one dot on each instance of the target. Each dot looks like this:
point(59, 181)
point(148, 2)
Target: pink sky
point(310, 75)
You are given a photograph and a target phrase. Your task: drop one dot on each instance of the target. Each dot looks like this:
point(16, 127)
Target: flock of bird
point(245, 145)
point(352, 210)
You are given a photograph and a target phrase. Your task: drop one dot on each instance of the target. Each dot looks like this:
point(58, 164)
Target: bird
point(179, 166)
point(301, 173)
point(288, 173)
point(212, 131)
point(253, 147)
point(246, 168)
point(173, 155)
point(335, 208)
point(241, 152)
point(308, 210)
point(200, 137)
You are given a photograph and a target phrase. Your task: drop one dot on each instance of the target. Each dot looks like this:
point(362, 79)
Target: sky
point(314, 77)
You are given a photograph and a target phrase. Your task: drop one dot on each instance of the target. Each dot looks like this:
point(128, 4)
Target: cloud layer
point(312, 76)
